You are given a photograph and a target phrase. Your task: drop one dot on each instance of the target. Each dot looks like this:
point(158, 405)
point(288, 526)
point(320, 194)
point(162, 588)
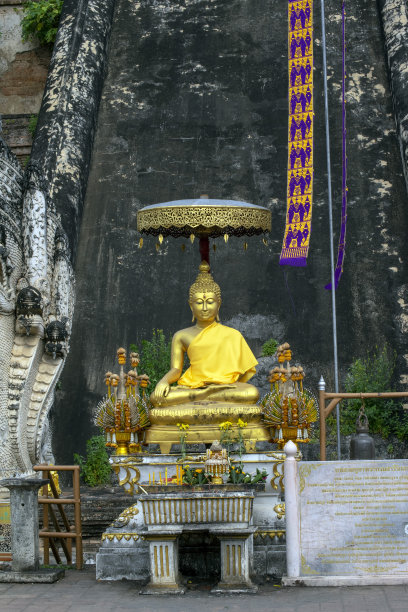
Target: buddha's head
point(205, 296)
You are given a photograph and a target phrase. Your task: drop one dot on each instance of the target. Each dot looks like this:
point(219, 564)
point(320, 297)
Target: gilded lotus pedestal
point(204, 420)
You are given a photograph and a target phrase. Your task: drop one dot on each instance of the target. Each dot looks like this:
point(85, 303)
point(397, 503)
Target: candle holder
point(289, 410)
point(124, 411)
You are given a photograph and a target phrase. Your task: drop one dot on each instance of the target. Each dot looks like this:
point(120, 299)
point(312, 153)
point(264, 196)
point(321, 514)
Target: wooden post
point(205, 248)
point(78, 523)
point(71, 532)
point(46, 524)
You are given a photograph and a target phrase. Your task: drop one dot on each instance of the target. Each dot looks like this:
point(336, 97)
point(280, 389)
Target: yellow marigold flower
point(225, 425)
point(241, 423)
point(183, 426)
point(199, 470)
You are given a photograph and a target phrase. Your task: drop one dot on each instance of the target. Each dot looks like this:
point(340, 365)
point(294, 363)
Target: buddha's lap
point(238, 392)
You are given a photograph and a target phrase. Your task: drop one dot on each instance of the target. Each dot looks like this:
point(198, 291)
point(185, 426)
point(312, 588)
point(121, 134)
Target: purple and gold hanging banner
point(300, 149)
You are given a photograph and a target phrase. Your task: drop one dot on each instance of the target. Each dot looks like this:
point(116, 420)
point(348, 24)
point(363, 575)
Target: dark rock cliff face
point(394, 16)
point(195, 102)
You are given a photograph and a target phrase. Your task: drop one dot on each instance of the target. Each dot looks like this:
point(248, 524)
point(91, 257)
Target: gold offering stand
point(217, 463)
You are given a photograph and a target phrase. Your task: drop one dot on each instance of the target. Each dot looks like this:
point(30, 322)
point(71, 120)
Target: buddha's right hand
point(162, 389)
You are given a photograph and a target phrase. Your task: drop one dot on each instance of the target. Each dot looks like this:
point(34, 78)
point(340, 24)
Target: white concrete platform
point(336, 581)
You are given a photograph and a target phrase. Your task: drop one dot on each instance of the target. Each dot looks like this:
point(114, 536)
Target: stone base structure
point(124, 550)
point(126, 557)
point(235, 563)
point(47, 576)
point(164, 564)
point(24, 533)
point(223, 510)
point(337, 581)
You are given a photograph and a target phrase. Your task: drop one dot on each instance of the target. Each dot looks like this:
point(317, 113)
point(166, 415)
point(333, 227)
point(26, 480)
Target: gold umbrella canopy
point(203, 217)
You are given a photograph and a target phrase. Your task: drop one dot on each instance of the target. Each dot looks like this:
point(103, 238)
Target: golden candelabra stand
point(124, 411)
point(289, 409)
point(217, 463)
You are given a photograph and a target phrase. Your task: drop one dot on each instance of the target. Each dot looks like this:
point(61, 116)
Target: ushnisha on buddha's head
point(205, 296)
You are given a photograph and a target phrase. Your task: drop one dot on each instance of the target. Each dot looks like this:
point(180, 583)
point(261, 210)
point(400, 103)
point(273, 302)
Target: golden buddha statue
point(220, 359)
point(214, 389)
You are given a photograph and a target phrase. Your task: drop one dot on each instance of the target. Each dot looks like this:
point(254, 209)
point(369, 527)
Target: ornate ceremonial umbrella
point(204, 218)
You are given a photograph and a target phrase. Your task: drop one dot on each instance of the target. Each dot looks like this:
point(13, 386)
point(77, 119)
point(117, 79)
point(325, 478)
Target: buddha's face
point(205, 306)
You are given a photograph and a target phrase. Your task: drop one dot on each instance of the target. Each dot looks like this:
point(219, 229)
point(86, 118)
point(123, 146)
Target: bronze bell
point(362, 444)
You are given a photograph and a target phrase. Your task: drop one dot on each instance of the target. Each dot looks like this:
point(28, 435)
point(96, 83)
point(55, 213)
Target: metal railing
point(336, 399)
point(71, 532)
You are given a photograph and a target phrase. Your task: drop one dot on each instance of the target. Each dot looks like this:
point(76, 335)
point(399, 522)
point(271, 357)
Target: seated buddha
point(221, 361)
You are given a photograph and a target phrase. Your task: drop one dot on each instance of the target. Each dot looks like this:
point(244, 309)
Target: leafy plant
point(41, 19)
point(238, 476)
point(374, 373)
point(32, 124)
point(195, 476)
point(232, 434)
point(240, 438)
point(269, 347)
point(183, 428)
point(227, 437)
point(95, 469)
point(154, 357)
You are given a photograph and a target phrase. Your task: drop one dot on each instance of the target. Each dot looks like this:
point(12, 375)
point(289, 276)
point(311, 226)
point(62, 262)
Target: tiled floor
point(80, 591)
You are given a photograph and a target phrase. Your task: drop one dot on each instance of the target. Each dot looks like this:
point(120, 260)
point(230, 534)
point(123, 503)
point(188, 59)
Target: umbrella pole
point(205, 248)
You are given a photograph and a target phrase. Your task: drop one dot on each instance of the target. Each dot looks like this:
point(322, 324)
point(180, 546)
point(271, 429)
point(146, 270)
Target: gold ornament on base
point(289, 409)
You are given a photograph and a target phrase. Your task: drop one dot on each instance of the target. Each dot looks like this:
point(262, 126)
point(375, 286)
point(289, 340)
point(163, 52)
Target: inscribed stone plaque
point(353, 518)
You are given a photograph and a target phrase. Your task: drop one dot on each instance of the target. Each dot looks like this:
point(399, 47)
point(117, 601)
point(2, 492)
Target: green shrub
point(41, 19)
point(269, 347)
point(374, 373)
point(155, 357)
point(95, 469)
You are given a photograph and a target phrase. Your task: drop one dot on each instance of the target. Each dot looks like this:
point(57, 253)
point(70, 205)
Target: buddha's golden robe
point(219, 355)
